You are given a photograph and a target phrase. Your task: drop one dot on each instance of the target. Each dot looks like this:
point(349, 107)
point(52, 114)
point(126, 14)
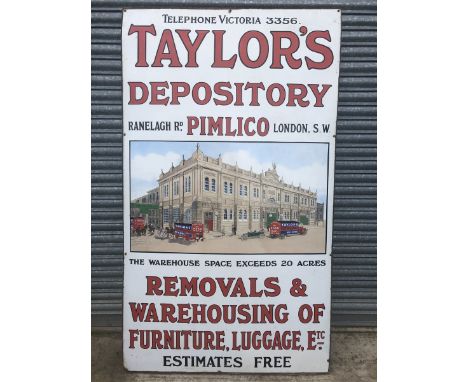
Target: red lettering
point(153, 286)
point(271, 283)
point(158, 89)
point(315, 47)
point(192, 124)
point(297, 97)
point(141, 31)
point(287, 53)
point(192, 47)
point(176, 93)
point(281, 91)
point(196, 93)
point(138, 311)
point(219, 89)
point(133, 90)
point(319, 94)
point(219, 61)
point(254, 86)
point(167, 41)
point(244, 49)
point(133, 337)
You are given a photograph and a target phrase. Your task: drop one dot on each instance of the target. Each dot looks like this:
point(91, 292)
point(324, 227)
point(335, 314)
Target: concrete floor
point(353, 359)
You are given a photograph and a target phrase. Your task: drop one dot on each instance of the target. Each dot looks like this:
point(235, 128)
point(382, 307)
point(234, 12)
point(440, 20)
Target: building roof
point(270, 174)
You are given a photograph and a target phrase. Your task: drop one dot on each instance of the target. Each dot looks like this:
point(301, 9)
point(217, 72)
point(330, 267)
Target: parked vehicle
point(283, 228)
point(252, 234)
point(137, 226)
point(189, 231)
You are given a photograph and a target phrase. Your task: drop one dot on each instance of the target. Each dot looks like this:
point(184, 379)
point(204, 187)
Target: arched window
point(213, 185)
point(207, 184)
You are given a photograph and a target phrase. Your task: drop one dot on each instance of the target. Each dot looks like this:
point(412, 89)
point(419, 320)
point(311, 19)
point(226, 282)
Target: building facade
point(228, 199)
point(147, 206)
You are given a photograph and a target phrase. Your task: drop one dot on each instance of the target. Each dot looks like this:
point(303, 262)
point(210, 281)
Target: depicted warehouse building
point(226, 198)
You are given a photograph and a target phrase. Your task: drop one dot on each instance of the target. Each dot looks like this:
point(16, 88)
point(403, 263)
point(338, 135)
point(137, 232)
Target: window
point(213, 185)
point(286, 198)
point(189, 183)
point(295, 199)
point(230, 188)
point(207, 184)
point(263, 194)
point(175, 187)
point(188, 215)
point(166, 215)
point(245, 214)
point(240, 189)
point(225, 187)
point(166, 190)
point(230, 214)
point(225, 213)
point(245, 190)
point(175, 215)
point(240, 214)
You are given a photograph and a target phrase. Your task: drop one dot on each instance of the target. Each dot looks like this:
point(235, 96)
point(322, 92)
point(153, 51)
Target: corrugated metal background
point(354, 285)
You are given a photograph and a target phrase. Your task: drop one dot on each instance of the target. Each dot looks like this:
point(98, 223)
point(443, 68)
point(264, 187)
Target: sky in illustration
point(302, 164)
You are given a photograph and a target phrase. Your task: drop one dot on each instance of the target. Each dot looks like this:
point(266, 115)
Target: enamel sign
point(229, 121)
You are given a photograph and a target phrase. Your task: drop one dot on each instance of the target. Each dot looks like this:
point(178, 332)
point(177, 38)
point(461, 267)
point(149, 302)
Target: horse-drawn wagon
point(189, 231)
point(137, 226)
point(283, 228)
